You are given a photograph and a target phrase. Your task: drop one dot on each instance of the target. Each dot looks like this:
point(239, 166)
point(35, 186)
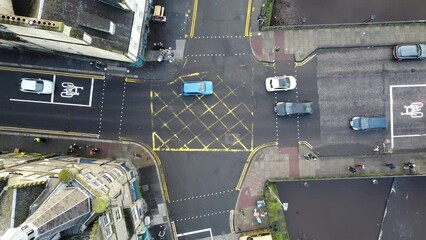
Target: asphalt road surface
point(355, 208)
point(363, 81)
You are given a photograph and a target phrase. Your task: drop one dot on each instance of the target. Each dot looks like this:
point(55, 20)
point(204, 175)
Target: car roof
point(29, 84)
point(377, 121)
point(408, 50)
point(302, 107)
point(191, 87)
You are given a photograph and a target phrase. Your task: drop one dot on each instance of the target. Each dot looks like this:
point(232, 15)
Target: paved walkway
point(298, 44)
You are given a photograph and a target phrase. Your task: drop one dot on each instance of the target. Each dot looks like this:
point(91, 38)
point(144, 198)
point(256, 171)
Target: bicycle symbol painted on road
point(413, 110)
point(70, 90)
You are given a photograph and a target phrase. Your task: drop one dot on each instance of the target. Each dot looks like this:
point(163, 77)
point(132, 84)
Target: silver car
point(36, 85)
point(409, 51)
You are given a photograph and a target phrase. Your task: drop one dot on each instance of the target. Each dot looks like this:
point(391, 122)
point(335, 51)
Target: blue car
point(369, 122)
point(197, 88)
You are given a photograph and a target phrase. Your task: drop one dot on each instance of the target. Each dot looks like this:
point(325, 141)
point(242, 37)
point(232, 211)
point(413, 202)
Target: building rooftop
point(109, 26)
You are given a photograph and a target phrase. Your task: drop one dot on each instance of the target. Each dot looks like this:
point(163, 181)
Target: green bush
point(66, 176)
point(267, 10)
point(99, 205)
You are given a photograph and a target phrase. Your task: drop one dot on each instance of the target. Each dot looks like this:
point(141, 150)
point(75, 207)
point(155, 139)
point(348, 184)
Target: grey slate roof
point(75, 13)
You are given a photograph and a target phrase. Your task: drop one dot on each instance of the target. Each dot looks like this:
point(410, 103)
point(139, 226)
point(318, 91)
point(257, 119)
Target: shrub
point(66, 176)
point(99, 205)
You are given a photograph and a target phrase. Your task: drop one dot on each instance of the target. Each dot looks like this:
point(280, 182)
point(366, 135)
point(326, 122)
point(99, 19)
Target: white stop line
point(196, 232)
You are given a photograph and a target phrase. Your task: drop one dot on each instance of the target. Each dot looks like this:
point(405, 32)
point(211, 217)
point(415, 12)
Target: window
point(117, 172)
point(108, 232)
point(108, 177)
point(117, 195)
point(96, 183)
point(105, 220)
point(104, 189)
point(118, 215)
point(135, 213)
point(89, 176)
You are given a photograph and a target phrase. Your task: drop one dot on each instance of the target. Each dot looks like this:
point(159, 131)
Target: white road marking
point(410, 135)
point(53, 94)
point(195, 232)
point(391, 114)
point(91, 92)
point(391, 110)
point(202, 215)
point(54, 103)
point(204, 195)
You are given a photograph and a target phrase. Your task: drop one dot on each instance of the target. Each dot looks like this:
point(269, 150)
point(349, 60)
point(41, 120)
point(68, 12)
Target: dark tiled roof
point(71, 12)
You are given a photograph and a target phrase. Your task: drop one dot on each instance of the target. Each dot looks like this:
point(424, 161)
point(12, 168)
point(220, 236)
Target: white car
point(281, 83)
point(36, 85)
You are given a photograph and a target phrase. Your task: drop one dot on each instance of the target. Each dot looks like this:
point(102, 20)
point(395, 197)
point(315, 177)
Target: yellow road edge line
point(194, 18)
point(80, 75)
point(246, 31)
point(299, 64)
point(51, 132)
point(248, 162)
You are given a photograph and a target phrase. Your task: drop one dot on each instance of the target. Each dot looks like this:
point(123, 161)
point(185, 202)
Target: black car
point(293, 108)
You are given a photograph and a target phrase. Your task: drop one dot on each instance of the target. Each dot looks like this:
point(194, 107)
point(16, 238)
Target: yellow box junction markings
point(48, 72)
point(205, 147)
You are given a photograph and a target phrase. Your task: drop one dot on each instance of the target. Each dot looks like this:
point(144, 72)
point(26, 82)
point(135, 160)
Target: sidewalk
point(273, 163)
point(140, 156)
point(300, 43)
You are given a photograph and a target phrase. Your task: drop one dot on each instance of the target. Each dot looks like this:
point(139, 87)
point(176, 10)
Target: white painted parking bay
point(68, 92)
point(407, 116)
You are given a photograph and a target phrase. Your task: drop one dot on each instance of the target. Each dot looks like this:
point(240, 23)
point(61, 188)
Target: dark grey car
point(409, 51)
point(293, 108)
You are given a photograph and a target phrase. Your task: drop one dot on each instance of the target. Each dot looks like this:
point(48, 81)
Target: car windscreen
point(284, 83)
point(39, 86)
point(202, 87)
point(364, 123)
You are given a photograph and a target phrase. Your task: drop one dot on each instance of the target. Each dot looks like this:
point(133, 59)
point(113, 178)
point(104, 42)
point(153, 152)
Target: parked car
point(293, 108)
point(36, 85)
point(197, 88)
point(369, 122)
point(409, 51)
point(281, 83)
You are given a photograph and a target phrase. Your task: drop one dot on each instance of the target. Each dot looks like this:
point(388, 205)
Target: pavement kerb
point(302, 61)
point(249, 160)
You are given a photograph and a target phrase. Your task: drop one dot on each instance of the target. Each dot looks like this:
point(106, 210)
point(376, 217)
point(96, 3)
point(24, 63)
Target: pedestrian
point(93, 151)
point(360, 166)
point(390, 166)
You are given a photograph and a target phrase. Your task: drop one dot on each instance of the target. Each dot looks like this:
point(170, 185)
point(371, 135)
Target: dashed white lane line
point(204, 195)
point(102, 106)
point(218, 37)
point(215, 54)
point(203, 215)
point(122, 109)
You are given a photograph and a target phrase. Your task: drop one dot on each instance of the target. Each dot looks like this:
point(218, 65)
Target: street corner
point(258, 49)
